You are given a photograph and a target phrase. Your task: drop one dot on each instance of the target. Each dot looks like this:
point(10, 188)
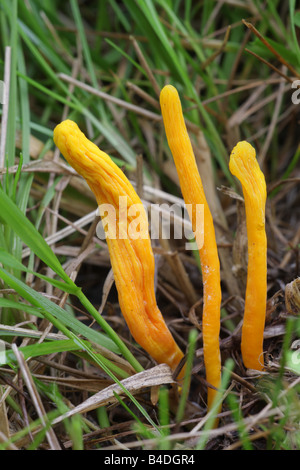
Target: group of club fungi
point(132, 260)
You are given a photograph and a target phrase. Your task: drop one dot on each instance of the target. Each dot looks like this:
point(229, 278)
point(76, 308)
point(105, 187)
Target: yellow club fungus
point(193, 194)
point(131, 257)
point(243, 164)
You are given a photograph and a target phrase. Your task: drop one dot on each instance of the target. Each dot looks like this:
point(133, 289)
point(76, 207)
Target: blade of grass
point(117, 381)
point(11, 124)
point(25, 182)
point(39, 349)
point(291, 166)
point(179, 73)
point(211, 416)
point(18, 222)
point(36, 399)
point(84, 43)
point(140, 427)
point(57, 346)
point(102, 417)
point(9, 260)
point(236, 412)
point(33, 426)
point(5, 110)
point(187, 376)
point(103, 127)
point(111, 333)
point(292, 5)
point(164, 419)
point(127, 56)
point(150, 13)
point(75, 426)
point(9, 303)
point(12, 215)
point(49, 310)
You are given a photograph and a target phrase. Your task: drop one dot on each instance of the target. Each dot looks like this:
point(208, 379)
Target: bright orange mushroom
point(243, 164)
point(131, 256)
point(193, 194)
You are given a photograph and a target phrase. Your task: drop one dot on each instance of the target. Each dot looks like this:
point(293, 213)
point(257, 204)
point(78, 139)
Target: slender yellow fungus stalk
point(130, 251)
point(193, 194)
point(243, 164)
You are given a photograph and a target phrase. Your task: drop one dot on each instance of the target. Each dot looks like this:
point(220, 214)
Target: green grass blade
point(12, 112)
point(187, 377)
point(236, 412)
point(229, 365)
point(9, 260)
point(292, 4)
point(164, 418)
point(47, 307)
point(17, 221)
point(39, 349)
point(9, 303)
point(84, 43)
point(139, 425)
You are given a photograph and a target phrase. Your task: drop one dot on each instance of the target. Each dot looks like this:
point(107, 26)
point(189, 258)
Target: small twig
point(253, 437)
point(243, 382)
point(51, 437)
point(237, 60)
point(124, 104)
point(239, 89)
point(244, 112)
point(23, 405)
point(288, 79)
point(289, 254)
point(285, 181)
point(76, 65)
point(212, 17)
point(113, 99)
point(145, 65)
point(219, 51)
point(271, 48)
point(143, 94)
point(66, 231)
point(275, 114)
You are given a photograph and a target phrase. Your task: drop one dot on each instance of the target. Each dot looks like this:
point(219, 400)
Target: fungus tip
point(167, 90)
point(242, 153)
point(244, 165)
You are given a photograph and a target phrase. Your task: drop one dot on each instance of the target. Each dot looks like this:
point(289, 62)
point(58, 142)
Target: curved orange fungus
point(131, 257)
